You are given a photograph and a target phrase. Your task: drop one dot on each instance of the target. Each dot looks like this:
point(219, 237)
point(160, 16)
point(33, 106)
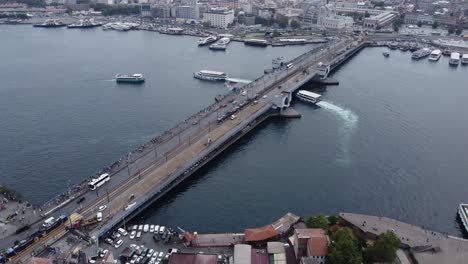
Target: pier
point(156, 167)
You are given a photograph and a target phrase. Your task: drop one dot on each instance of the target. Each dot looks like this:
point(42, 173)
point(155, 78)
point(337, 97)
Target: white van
point(162, 229)
point(99, 216)
point(48, 222)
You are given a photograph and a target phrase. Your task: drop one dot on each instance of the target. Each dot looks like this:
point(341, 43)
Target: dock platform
point(426, 246)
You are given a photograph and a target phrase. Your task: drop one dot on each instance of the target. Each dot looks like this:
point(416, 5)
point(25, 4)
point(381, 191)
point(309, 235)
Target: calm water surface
point(389, 140)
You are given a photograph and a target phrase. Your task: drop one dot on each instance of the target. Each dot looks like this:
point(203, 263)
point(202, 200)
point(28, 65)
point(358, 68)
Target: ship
point(207, 40)
point(86, 23)
point(133, 78)
point(463, 214)
point(50, 23)
point(421, 53)
point(256, 42)
point(210, 75)
point(310, 97)
point(220, 44)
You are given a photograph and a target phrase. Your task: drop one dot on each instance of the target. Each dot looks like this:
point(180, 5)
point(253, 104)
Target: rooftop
point(185, 258)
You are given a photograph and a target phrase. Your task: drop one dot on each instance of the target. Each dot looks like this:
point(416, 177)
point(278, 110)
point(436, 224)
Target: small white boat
point(435, 55)
point(309, 96)
point(454, 59)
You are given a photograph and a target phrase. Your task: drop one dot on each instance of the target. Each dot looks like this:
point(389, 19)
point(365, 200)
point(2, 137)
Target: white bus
point(99, 181)
point(289, 66)
point(48, 222)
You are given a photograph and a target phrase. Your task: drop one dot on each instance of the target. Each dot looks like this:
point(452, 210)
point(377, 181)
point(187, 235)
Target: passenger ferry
point(463, 214)
point(221, 44)
point(207, 40)
point(309, 96)
point(86, 23)
point(435, 55)
point(134, 78)
point(323, 70)
point(454, 59)
point(464, 59)
point(421, 53)
point(50, 23)
point(256, 42)
point(210, 75)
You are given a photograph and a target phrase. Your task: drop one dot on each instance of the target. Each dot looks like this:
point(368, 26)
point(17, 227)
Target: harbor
point(112, 195)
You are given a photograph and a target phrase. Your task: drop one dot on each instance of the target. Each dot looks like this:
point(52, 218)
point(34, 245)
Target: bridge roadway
point(157, 167)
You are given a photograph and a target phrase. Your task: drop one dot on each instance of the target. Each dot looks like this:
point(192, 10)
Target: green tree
point(333, 220)
point(295, 24)
point(378, 3)
point(451, 29)
point(435, 24)
point(344, 248)
point(317, 221)
point(396, 25)
point(283, 22)
point(419, 24)
point(384, 249)
point(459, 30)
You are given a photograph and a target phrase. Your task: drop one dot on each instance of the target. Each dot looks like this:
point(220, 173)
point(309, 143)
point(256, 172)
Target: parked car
point(132, 234)
point(118, 243)
point(122, 231)
point(151, 229)
point(138, 235)
point(80, 200)
point(145, 228)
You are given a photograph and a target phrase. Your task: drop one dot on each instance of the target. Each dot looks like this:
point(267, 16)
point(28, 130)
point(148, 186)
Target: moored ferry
point(133, 78)
point(50, 23)
point(309, 96)
point(256, 42)
point(421, 53)
point(86, 23)
point(210, 75)
point(207, 40)
point(435, 55)
point(463, 214)
point(220, 44)
point(454, 59)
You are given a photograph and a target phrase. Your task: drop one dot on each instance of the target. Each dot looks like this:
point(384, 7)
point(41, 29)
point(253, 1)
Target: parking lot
point(150, 244)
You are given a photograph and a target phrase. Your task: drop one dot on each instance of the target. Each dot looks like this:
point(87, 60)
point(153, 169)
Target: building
point(328, 18)
point(161, 11)
point(188, 258)
point(219, 17)
point(415, 18)
point(146, 10)
point(380, 20)
point(187, 12)
point(242, 254)
point(310, 245)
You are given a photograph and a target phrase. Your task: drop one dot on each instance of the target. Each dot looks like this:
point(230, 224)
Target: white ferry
point(220, 44)
point(210, 75)
point(207, 40)
point(454, 59)
point(323, 70)
point(309, 96)
point(464, 59)
point(133, 78)
point(421, 53)
point(435, 55)
point(463, 213)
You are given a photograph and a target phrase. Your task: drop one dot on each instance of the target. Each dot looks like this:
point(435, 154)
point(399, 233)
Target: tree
point(206, 24)
point(378, 3)
point(283, 22)
point(333, 220)
point(317, 221)
point(384, 249)
point(451, 29)
point(435, 24)
point(419, 24)
point(459, 30)
point(396, 25)
point(344, 248)
point(295, 24)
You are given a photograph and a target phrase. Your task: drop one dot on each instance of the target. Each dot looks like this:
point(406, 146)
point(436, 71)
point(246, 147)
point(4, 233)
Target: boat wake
point(350, 120)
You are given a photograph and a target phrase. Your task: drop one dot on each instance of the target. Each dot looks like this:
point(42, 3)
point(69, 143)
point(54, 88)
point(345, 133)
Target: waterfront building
point(327, 18)
point(310, 245)
point(414, 18)
point(187, 12)
point(146, 10)
point(161, 11)
point(380, 20)
point(219, 17)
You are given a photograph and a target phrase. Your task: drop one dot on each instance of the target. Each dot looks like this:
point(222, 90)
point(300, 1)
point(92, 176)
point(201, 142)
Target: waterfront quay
point(424, 246)
point(153, 169)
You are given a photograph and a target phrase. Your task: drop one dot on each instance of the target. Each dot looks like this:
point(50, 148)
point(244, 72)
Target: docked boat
point(463, 214)
point(50, 23)
point(421, 53)
point(309, 96)
point(207, 40)
point(454, 59)
point(464, 59)
point(133, 78)
point(393, 46)
point(210, 75)
point(386, 54)
point(220, 44)
point(256, 42)
point(86, 23)
point(435, 55)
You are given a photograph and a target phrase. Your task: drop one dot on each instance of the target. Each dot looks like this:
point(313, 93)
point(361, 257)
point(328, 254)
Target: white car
point(244, 93)
point(102, 208)
point(118, 243)
point(156, 229)
point(138, 235)
point(122, 231)
point(233, 117)
point(151, 228)
point(140, 227)
point(132, 234)
point(134, 227)
point(150, 253)
point(146, 228)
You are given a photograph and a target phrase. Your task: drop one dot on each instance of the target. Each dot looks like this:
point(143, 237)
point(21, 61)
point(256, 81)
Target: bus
point(99, 181)
point(289, 66)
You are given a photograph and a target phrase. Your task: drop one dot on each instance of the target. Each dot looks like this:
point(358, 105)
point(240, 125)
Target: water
point(389, 140)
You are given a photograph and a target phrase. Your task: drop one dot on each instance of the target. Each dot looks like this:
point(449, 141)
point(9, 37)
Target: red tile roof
point(318, 246)
point(185, 258)
point(260, 234)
